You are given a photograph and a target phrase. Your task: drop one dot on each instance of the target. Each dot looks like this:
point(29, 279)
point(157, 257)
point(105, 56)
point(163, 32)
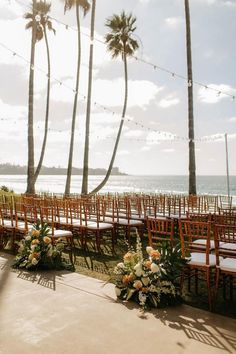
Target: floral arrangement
point(151, 281)
point(36, 250)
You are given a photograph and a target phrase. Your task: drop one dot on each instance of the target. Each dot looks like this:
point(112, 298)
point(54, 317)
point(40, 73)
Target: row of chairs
point(84, 219)
point(143, 205)
point(206, 246)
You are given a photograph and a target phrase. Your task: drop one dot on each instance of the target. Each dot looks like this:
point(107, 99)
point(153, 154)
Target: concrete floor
point(61, 312)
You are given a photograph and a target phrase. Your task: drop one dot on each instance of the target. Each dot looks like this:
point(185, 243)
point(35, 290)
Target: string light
point(165, 136)
point(155, 66)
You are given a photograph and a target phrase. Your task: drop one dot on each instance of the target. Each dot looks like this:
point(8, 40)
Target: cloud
point(144, 1)
point(174, 22)
point(227, 3)
point(123, 152)
point(10, 112)
point(145, 148)
point(168, 150)
point(232, 119)
point(111, 92)
point(133, 133)
point(168, 102)
point(207, 95)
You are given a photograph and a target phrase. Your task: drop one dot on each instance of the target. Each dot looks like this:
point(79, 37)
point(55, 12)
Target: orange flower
point(128, 256)
point(148, 264)
point(47, 240)
point(131, 277)
point(35, 242)
point(145, 290)
point(35, 255)
point(35, 233)
point(138, 284)
point(155, 254)
point(126, 279)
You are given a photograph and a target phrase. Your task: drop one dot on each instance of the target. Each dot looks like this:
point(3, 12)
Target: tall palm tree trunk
point(192, 165)
point(84, 189)
point(70, 159)
point(47, 110)
point(102, 184)
point(30, 169)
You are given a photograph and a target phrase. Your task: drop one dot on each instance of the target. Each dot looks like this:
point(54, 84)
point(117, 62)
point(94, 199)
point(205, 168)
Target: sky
point(154, 137)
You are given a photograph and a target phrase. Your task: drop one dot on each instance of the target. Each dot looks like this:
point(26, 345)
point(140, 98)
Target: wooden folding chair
point(195, 240)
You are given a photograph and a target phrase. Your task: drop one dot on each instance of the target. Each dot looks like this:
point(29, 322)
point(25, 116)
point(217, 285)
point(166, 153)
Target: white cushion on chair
point(60, 233)
point(201, 243)
point(99, 226)
point(228, 246)
point(200, 259)
point(130, 222)
point(228, 264)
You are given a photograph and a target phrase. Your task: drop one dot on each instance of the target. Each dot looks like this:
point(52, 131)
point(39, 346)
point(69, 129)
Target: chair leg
point(217, 280)
point(208, 280)
point(224, 286)
point(196, 281)
point(231, 287)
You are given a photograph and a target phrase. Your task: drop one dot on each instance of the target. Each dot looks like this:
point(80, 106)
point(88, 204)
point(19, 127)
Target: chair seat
point(21, 226)
point(201, 243)
point(99, 226)
point(60, 233)
point(228, 264)
point(199, 259)
point(8, 223)
point(228, 246)
point(130, 222)
point(108, 219)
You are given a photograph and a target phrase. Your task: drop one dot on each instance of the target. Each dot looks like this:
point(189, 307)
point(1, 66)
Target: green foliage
point(6, 189)
point(151, 282)
point(172, 261)
point(36, 251)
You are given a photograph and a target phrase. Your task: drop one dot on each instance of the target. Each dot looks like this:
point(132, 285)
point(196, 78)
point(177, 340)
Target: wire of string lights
point(154, 66)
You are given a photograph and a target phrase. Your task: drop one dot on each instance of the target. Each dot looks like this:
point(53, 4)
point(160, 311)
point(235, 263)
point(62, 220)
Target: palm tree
point(84, 189)
point(192, 164)
point(120, 43)
point(30, 170)
point(42, 9)
point(84, 4)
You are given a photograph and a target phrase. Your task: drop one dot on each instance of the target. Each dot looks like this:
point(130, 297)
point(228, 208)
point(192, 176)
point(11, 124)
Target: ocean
point(156, 184)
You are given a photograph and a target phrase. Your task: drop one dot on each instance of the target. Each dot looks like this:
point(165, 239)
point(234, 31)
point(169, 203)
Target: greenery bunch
point(36, 250)
point(153, 281)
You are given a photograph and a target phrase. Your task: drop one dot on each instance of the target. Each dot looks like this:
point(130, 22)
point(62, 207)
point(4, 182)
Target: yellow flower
point(47, 240)
point(126, 279)
point(138, 284)
point(155, 254)
point(148, 264)
point(35, 233)
point(128, 256)
point(35, 242)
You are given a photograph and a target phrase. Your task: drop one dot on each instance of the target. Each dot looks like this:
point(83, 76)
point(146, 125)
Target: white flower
point(142, 298)
point(28, 238)
point(149, 249)
point(152, 288)
point(145, 281)
point(138, 270)
point(34, 261)
point(121, 265)
point(21, 248)
point(49, 253)
point(33, 247)
point(117, 291)
point(154, 268)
